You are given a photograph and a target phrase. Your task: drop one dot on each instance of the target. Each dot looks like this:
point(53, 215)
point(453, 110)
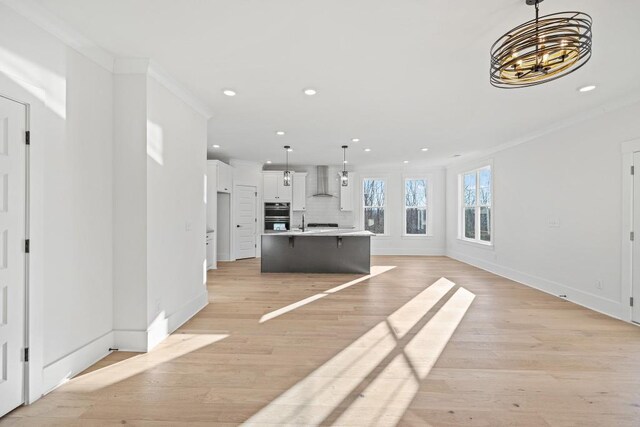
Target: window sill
point(476, 243)
point(417, 236)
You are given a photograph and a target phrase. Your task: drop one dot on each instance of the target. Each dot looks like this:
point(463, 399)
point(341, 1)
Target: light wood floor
point(396, 348)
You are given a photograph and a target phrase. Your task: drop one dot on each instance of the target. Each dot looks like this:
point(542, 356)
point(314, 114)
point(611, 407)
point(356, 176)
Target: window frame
point(477, 207)
point(429, 190)
point(385, 206)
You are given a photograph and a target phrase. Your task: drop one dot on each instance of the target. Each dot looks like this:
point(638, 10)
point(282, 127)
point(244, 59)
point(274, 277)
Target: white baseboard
point(59, 372)
point(143, 341)
point(408, 251)
point(161, 329)
point(585, 299)
point(130, 340)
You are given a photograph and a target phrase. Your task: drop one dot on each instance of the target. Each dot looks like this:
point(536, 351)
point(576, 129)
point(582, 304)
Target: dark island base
point(316, 254)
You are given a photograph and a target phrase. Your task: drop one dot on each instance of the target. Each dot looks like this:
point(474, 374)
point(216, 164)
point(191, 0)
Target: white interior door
point(12, 255)
point(246, 218)
point(635, 293)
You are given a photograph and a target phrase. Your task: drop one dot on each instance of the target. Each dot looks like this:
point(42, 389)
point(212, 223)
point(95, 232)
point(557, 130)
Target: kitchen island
point(315, 251)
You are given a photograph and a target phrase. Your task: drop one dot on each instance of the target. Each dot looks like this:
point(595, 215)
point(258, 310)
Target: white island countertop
point(323, 232)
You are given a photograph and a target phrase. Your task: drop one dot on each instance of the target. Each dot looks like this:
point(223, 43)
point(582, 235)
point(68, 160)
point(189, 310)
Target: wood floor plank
point(514, 356)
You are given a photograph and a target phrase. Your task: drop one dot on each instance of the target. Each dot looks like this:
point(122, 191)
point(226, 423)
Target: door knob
point(238, 226)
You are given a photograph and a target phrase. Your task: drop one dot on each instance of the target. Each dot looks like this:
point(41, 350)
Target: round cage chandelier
point(541, 50)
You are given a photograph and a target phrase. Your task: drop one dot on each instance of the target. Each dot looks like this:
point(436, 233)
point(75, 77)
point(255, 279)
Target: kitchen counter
point(323, 232)
point(317, 251)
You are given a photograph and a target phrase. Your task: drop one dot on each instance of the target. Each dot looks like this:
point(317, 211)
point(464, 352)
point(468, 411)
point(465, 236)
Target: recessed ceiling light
point(355, 139)
point(310, 92)
point(424, 149)
point(229, 92)
point(268, 162)
point(280, 132)
point(215, 146)
point(588, 88)
point(406, 161)
point(289, 149)
point(367, 149)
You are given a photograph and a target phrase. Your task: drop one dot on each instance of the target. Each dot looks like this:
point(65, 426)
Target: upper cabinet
point(299, 192)
point(273, 188)
point(347, 193)
point(221, 175)
point(225, 178)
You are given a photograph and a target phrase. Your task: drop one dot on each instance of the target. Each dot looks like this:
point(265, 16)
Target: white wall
point(572, 175)
point(130, 206)
point(71, 189)
point(395, 243)
point(176, 210)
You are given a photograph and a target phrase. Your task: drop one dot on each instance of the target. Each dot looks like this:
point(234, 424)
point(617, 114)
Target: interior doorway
point(245, 221)
point(13, 258)
point(635, 269)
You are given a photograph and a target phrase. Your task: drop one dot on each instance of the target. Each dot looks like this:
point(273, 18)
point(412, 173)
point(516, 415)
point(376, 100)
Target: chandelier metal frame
point(541, 50)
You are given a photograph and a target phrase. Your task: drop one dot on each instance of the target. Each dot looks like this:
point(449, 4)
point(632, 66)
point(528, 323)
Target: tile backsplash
point(323, 209)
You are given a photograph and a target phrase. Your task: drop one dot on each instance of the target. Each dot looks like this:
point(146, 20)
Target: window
point(374, 200)
point(476, 205)
point(415, 207)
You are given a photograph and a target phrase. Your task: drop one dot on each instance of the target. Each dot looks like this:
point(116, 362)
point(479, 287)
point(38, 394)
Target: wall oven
point(277, 217)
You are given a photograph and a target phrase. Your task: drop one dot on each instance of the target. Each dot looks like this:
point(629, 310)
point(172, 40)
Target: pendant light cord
point(537, 31)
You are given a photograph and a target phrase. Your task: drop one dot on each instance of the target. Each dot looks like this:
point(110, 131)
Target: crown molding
point(131, 66)
point(164, 78)
point(44, 19)
point(627, 101)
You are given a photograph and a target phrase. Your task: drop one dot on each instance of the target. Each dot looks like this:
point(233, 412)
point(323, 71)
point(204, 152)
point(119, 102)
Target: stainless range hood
point(322, 182)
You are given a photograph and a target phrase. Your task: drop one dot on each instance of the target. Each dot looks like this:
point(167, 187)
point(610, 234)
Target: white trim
point(385, 179)
point(600, 110)
point(144, 341)
point(428, 178)
point(626, 249)
point(409, 251)
point(585, 299)
point(130, 340)
point(160, 330)
point(164, 78)
point(130, 66)
point(44, 19)
point(476, 206)
point(62, 370)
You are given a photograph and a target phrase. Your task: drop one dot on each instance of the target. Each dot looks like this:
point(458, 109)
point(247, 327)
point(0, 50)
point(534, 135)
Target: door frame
point(27, 174)
point(233, 218)
point(628, 148)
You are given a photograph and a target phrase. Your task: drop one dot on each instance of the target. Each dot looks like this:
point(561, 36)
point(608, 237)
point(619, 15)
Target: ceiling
point(399, 75)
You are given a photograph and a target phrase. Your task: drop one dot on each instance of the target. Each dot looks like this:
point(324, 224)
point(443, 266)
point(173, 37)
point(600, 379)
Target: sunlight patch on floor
point(174, 346)
point(375, 271)
point(384, 401)
point(316, 397)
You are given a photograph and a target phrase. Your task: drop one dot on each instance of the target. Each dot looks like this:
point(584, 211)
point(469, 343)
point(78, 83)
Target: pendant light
point(344, 176)
point(541, 50)
point(287, 172)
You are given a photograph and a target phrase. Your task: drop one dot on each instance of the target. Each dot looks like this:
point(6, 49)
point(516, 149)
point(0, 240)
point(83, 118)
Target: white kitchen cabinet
point(299, 198)
point(225, 177)
point(273, 188)
point(347, 194)
point(211, 250)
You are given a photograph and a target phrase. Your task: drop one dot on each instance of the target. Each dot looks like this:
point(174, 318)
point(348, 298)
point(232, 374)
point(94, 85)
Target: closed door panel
point(245, 221)
point(635, 310)
point(12, 257)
